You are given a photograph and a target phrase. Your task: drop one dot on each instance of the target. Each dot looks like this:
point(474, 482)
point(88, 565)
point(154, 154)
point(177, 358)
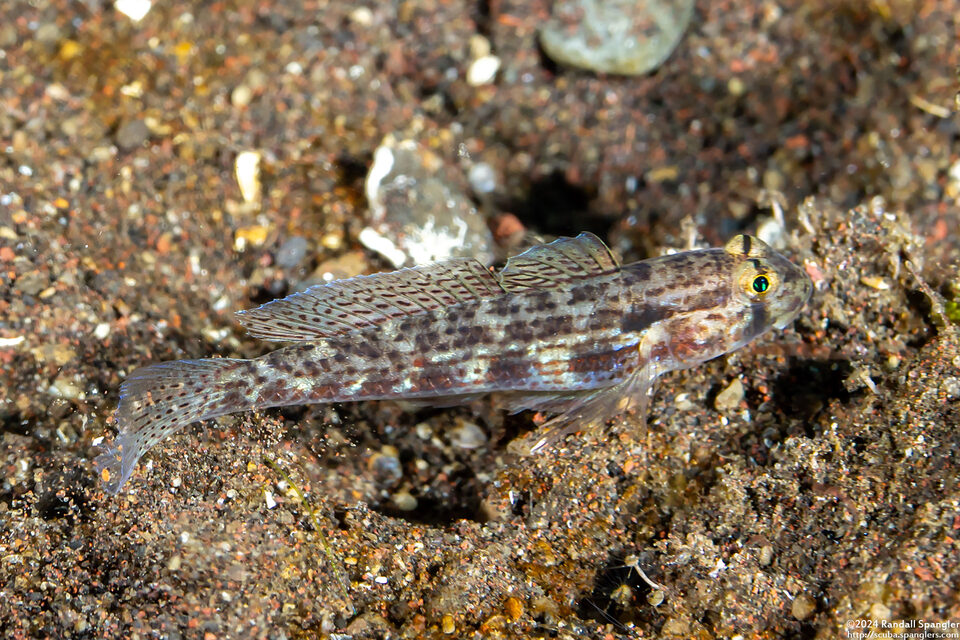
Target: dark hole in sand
point(554, 206)
point(436, 512)
point(808, 386)
point(619, 595)
point(66, 496)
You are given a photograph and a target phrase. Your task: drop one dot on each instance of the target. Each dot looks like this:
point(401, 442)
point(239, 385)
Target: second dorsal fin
point(557, 264)
point(345, 305)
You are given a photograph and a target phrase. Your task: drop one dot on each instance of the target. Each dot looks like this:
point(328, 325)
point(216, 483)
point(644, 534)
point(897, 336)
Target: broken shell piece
point(247, 170)
point(419, 210)
point(483, 70)
point(136, 10)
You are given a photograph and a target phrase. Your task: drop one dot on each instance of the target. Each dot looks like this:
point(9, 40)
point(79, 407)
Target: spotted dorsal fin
point(346, 305)
point(559, 263)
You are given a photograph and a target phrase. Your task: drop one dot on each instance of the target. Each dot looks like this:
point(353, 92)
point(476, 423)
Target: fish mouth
point(786, 319)
point(796, 303)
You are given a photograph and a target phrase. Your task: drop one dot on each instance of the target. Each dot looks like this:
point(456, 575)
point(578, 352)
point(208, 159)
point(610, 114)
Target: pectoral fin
point(599, 406)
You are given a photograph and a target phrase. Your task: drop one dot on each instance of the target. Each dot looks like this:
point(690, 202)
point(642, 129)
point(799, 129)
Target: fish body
point(563, 328)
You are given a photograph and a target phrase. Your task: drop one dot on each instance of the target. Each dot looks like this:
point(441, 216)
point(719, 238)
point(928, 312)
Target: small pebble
point(424, 431)
point(467, 435)
point(292, 252)
point(627, 37)
point(8, 35)
point(48, 33)
point(447, 625)
point(766, 555)
point(677, 627)
point(362, 16)
point(508, 231)
point(386, 466)
point(66, 388)
point(479, 46)
point(57, 353)
point(254, 235)
point(482, 178)
point(683, 402)
point(404, 501)
point(513, 608)
point(880, 611)
point(730, 398)
point(875, 282)
point(247, 170)
point(136, 10)
point(483, 70)
point(101, 331)
point(332, 240)
point(132, 134)
point(735, 86)
point(31, 283)
point(953, 180)
point(950, 388)
point(803, 606)
point(241, 96)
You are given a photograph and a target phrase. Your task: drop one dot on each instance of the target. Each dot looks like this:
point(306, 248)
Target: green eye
point(761, 284)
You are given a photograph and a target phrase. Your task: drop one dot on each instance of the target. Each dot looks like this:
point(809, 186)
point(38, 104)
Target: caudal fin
point(157, 400)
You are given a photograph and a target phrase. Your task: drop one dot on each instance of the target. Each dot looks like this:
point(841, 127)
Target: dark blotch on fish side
point(636, 321)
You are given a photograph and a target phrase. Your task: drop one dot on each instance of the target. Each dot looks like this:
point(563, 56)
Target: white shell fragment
point(419, 213)
point(372, 240)
point(482, 178)
point(483, 70)
point(136, 10)
point(247, 170)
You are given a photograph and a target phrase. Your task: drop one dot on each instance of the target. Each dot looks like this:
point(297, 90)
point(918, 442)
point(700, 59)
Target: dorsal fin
point(346, 305)
point(559, 263)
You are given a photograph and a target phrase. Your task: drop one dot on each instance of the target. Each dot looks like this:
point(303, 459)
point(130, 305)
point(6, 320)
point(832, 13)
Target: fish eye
point(756, 280)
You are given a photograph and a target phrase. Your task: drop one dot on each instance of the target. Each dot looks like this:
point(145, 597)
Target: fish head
point(771, 289)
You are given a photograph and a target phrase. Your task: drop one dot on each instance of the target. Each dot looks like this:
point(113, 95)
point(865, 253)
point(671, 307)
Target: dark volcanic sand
point(822, 490)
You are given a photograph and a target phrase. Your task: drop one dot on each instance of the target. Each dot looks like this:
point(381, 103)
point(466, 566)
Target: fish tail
point(157, 400)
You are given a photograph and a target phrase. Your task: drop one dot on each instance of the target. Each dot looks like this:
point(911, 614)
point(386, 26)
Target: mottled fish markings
point(563, 328)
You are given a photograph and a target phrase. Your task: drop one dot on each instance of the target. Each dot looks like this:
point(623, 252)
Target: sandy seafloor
point(823, 493)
